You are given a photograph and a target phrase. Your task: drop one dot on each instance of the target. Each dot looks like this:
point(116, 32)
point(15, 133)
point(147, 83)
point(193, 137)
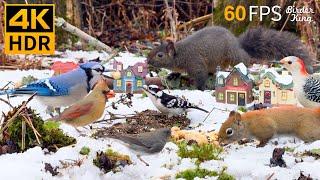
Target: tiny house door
point(128, 86)
point(267, 97)
point(241, 99)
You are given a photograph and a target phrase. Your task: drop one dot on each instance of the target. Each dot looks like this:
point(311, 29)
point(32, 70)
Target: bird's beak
point(108, 77)
point(109, 70)
point(109, 94)
point(145, 88)
point(282, 61)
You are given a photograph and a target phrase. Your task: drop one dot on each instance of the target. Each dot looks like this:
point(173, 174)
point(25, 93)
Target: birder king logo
point(29, 29)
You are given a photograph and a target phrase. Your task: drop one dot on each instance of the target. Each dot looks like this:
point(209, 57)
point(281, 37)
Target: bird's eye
point(229, 132)
point(289, 62)
point(160, 54)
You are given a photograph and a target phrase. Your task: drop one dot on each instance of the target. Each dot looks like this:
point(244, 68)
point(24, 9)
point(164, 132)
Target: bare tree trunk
point(173, 19)
point(1, 21)
point(73, 12)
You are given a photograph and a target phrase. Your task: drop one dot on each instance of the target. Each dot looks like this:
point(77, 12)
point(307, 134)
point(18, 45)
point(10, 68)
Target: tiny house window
point(232, 98)
point(129, 74)
point(220, 96)
point(140, 69)
point(139, 83)
point(235, 82)
point(284, 95)
point(220, 81)
point(266, 83)
point(118, 83)
point(119, 67)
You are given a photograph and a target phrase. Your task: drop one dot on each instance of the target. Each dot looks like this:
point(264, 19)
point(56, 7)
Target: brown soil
point(143, 122)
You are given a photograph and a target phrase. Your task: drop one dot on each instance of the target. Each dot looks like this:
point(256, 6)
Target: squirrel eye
point(160, 54)
point(229, 132)
point(289, 62)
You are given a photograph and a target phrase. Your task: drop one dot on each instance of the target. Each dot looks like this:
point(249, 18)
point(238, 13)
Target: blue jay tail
point(9, 91)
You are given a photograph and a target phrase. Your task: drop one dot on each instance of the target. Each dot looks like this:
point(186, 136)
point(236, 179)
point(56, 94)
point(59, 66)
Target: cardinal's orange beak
point(110, 94)
point(282, 61)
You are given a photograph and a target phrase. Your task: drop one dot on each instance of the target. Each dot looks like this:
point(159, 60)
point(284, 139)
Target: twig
point(139, 157)
point(7, 102)
point(224, 110)
point(3, 88)
point(195, 21)
point(23, 135)
point(288, 17)
point(17, 113)
point(125, 117)
point(270, 176)
point(36, 133)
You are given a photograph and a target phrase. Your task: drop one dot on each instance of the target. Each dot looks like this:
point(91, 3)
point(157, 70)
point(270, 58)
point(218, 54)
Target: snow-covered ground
point(243, 161)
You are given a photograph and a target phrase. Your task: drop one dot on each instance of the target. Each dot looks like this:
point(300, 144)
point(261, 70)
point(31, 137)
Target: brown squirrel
point(264, 124)
point(200, 53)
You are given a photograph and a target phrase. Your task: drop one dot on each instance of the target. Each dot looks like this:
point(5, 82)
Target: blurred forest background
point(138, 24)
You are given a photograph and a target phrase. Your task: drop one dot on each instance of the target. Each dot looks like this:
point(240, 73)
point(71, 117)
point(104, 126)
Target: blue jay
point(64, 89)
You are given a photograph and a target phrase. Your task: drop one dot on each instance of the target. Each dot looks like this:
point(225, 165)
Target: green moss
point(49, 125)
point(288, 149)
point(111, 160)
point(55, 138)
point(242, 109)
point(200, 152)
point(190, 174)
point(15, 130)
point(225, 176)
point(84, 150)
point(315, 151)
point(51, 136)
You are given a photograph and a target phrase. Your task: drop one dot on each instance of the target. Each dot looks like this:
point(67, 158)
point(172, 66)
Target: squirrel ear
point(232, 113)
point(171, 48)
point(238, 118)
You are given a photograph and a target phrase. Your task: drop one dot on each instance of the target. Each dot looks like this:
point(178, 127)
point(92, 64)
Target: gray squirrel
point(200, 53)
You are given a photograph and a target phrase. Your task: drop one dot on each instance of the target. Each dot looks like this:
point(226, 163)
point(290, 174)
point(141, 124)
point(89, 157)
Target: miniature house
point(132, 77)
point(234, 87)
point(275, 88)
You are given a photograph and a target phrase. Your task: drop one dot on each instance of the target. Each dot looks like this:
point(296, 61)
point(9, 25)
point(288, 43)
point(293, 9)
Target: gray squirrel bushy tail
point(262, 43)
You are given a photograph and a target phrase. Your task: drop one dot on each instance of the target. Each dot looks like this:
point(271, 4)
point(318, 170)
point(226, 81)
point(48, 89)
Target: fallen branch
point(60, 22)
point(195, 21)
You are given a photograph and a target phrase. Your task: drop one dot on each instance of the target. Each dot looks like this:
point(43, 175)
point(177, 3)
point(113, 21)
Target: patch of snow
point(224, 74)
point(282, 79)
point(242, 161)
point(243, 68)
point(129, 59)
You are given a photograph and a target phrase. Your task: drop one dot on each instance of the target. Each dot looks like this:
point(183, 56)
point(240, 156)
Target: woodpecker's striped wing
point(312, 89)
point(170, 101)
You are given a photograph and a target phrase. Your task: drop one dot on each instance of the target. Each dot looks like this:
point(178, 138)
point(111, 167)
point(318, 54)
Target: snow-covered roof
point(282, 79)
point(225, 74)
point(129, 59)
point(242, 68)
